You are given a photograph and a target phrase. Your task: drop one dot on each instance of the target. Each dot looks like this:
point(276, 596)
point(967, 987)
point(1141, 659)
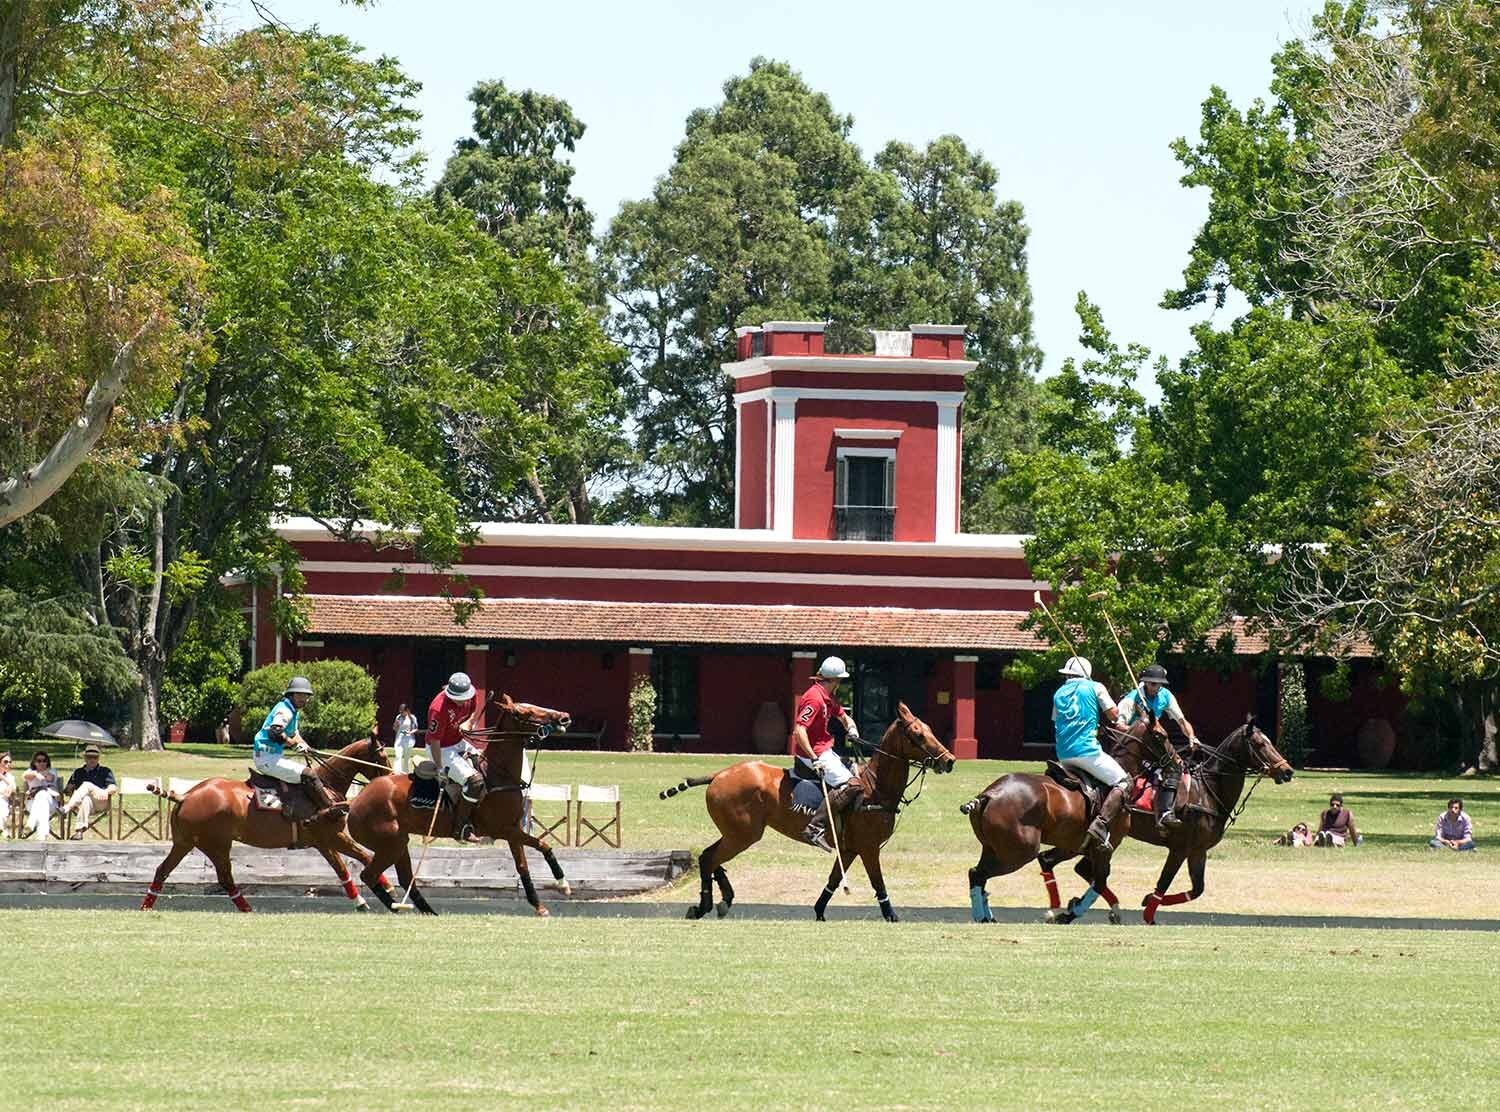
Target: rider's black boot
point(1166, 807)
point(841, 799)
point(1098, 834)
point(322, 798)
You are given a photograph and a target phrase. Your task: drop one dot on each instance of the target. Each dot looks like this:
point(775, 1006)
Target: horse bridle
point(1262, 768)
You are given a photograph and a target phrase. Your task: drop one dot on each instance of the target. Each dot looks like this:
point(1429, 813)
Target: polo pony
point(214, 814)
point(383, 819)
point(745, 798)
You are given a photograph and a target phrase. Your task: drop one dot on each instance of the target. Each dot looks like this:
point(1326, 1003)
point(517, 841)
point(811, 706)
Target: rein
point(1218, 755)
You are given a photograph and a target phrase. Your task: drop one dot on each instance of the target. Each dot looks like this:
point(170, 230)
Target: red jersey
point(813, 711)
point(444, 717)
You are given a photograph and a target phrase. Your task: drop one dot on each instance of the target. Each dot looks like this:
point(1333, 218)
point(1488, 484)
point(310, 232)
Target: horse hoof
point(542, 913)
point(362, 906)
point(564, 887)
point(892, 918)
point(820, 918)
point(1059, 916)
point(723, 909)
point(1115, 918)
point(988, 919)
point(695, 912)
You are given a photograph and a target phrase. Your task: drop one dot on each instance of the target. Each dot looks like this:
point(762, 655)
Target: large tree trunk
point(21, 495)
point(145, 707)
point(10, 62)
point(1488, 733)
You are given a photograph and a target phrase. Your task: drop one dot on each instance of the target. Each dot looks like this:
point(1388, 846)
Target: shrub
point(642, 724)
point(341, 709)
point(1295, 731)
point(200, 686)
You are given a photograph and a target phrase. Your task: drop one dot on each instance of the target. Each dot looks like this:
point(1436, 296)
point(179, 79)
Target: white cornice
point(848, 364)
point(867, 434)
point(833, 393)
point(793, 326)
point(655, 537)
point(938, 330)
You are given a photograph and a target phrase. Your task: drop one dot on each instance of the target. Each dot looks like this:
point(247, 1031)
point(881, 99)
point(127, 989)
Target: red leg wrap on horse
point(239, 899)
point(1153, 901)
point(151, 893)
point(350, 890)
point(1109, 896)
point(1176, 898)
point(1051, 882)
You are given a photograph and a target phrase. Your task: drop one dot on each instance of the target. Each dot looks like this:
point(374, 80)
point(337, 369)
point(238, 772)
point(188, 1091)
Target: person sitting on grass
point(1454, 830)
point(1297, 836)
point(1336, 825)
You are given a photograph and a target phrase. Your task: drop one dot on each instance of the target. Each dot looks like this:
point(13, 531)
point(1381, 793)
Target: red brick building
point(847, 540)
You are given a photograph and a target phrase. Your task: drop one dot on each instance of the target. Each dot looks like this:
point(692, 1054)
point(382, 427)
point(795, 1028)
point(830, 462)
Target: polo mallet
point(406, 904)
point(833, 830)
point(1099, 596)
point(1036, 597)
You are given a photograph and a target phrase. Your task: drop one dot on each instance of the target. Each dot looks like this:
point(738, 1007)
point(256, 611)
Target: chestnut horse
point(1208, 809)
point(1021, 812)
point(214, 814)
point(746, 798)
point(382, 818)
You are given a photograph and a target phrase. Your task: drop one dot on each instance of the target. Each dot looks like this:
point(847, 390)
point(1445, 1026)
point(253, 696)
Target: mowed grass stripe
point(191, 1010)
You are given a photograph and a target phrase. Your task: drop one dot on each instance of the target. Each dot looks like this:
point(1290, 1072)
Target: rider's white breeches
point(456, 761)
point(278, 766)
point(1101, 766)
point(832, 767)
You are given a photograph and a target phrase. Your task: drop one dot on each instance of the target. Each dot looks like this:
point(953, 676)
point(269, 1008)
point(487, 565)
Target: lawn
point(188, 1009)
point(1393, 874)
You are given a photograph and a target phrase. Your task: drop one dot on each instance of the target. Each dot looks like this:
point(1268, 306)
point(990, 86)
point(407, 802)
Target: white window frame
point(842, 452)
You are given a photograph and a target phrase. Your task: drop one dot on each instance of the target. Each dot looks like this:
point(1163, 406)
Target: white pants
point(456, 761)
point(4, 816)
point(1101, 766)
point(403, 762)
point(85, 797)
point(832, 767)
point(39, 811)
point(279, 766)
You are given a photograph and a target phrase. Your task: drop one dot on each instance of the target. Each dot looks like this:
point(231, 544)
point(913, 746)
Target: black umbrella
point(76, 729)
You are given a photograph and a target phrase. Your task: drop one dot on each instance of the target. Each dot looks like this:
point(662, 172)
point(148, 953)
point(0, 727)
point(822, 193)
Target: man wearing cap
point(1076, 710)
point(452, 711)
point(283, 724)
point(813, 740)
point(1154, 693)
point(89, 786)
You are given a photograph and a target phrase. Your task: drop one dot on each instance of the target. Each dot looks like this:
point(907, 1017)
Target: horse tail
point(690, 782)
point(975, 804)
point(166, 793)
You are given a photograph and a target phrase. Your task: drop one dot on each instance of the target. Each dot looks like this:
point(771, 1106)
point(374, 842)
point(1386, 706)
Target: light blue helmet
point(460, 688)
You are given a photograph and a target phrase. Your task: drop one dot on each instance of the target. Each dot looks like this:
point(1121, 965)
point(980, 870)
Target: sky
point(1074, 103)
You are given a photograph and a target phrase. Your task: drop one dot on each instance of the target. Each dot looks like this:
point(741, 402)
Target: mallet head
point(1097, 596)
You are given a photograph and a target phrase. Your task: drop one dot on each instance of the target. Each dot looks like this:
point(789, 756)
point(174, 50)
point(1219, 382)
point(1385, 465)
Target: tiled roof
point(671, 623)
point(681, 623)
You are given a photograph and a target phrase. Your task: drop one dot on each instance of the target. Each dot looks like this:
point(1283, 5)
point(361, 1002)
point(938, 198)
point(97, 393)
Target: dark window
point(675, 676)
point(865, 498)
point(989, 673)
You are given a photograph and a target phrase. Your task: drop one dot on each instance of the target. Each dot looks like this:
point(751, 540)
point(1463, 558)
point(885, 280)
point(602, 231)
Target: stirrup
point(1168, 821)
point(466, 834)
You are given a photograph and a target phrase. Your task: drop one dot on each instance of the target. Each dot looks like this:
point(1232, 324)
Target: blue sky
point(1073, 102)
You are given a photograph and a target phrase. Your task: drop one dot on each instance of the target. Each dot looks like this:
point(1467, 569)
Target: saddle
point(1092, 790)
point(292, 800)
point(426, 782)
point(807, 786)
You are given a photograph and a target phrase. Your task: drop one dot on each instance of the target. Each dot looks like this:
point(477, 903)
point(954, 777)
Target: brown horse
point(1021, 812)
point(1209, 807)
point(746, 798)
point(216, 813)
point(383, 819)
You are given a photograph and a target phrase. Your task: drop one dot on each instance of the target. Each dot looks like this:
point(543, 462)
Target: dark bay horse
point(745, 798)
point(216, 813)
point(1021, 812)
point(1214, 789)
point(383, 819)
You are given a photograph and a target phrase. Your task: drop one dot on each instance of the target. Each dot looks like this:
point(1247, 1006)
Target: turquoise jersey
point(1075, 719)
point(263, 740)
point(1158, 705)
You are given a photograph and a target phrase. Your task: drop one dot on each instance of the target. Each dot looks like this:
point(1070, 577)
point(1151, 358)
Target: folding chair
point(136, 808)
point(591, 793)
point(105, 815)
point(543, 827)
point(181, 784)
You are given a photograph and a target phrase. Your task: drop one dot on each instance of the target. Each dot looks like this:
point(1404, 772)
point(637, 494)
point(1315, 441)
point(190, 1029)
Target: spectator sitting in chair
point(7, 793)
point(1454, 830)
point(1336, 825)
point(90, 785)
point(43, 790)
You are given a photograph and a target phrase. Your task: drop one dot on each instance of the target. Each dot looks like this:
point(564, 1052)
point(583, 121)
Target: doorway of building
point(432, 663)
point(880, 682)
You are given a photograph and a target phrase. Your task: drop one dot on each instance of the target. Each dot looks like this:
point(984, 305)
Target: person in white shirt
point(43, 796)
point(404, 730)
point(7, 793)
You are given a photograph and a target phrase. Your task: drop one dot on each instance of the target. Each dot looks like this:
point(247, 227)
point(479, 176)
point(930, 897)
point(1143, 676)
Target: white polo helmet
point(1078, 666)
point(460, 688)
point(833, 668)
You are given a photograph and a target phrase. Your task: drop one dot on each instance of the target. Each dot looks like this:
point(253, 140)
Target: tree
point(770, 212)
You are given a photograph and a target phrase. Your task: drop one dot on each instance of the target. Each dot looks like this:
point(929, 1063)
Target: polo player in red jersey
point(454, 710)
point(810, 733)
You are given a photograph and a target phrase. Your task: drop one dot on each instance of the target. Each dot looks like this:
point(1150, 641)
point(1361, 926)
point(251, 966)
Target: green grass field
point(1392, 874)
point(191, 1010)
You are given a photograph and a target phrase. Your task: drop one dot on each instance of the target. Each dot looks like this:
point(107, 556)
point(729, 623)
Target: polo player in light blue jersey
point(283, 725)
point(1155, 695)
point(1076, 710)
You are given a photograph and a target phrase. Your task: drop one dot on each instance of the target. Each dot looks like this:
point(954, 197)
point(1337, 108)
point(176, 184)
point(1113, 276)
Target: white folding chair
point(545, 826)
point(181, 784)
point(593, 793)
point(139, 814)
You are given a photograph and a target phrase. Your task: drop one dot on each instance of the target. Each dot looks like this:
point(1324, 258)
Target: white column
point(786, 442)
point(947, 470)
point(739, 480)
